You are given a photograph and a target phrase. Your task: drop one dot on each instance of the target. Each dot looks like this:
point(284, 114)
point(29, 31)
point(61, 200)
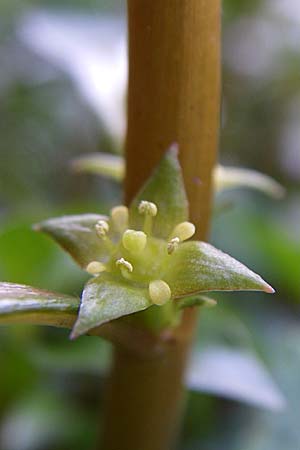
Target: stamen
point(125, 267)
point(173, 245)
point(149, 210)
point(183, 231)
point(95, 267)
point(102, 228)
point(119, 216)
point(159, 292)
point(134, 241)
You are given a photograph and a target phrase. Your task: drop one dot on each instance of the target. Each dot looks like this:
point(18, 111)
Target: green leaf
point(224, 178)
point(237, 177)
point(166, 189)
point(198, 300)
point(199, 267)
point(244, 377)
point(105, 164)
point(25, 304)
point(106, 298)
point(77, 235)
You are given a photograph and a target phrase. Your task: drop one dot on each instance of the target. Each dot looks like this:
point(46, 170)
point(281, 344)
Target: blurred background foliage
point(62, 94)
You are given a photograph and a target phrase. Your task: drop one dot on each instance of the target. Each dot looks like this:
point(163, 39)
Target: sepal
point(106, 298)
point(200, 267)
point(77, 235)
point(165, 188)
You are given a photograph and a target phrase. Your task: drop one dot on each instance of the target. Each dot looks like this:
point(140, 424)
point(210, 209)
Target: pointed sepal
point(106, 298)
point(200, 267)
point(165, 188)
point(77, 235)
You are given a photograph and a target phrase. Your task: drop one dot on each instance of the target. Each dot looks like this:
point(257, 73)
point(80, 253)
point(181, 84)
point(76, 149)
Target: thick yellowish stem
point(174, 96)
point(174, 93)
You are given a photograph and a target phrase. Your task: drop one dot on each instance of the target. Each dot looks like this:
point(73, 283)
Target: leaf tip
point(173, 150)
point(75, 165)
point(36, 227)
point(268, 289)
point(74, 335)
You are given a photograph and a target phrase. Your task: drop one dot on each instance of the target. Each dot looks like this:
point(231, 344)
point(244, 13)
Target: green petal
point(166, 189)
point(105, 164)
point(199, 267)
point(237, 177)
point(107, 298)
point(76, 234)
point(25, 304)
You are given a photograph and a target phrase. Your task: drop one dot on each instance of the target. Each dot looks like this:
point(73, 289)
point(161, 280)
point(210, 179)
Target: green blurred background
point(62, 94)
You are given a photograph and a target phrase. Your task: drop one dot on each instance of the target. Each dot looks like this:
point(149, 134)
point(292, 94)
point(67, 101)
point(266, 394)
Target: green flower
point(142, 259)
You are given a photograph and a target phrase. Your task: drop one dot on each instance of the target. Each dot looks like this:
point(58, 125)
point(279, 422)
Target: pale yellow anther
point(119, 216)
point(95, 267)
point(102, 228)
point(147, 208)
point(183, 231)
point(159, 292)
point(123, 264)
point(134, 241)
point(173, 245)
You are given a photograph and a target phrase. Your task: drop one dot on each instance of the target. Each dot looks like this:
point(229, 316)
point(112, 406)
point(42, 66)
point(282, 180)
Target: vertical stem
point(174, 93)
point(174, 96)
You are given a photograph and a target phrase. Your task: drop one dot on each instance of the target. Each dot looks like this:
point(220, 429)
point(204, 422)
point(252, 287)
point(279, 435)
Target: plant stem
point(174, 96)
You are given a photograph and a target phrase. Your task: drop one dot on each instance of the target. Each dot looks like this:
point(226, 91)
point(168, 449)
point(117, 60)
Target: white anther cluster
point(147, 208)
point(173, 245)
point(123, 264)
point(102, 228)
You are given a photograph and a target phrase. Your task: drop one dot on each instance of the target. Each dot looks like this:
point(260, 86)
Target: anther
point(95, 267)
point(159, 292)
point(102, 228)
point(125, 267)
point(134, 241)
point(119, 216)
point(173, 245)
point(183, 231)
point(147, 208)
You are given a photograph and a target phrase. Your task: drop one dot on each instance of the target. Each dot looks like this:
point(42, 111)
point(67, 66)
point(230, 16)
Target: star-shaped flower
point(142, 258)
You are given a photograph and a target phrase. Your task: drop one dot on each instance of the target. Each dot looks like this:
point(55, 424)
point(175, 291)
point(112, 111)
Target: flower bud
point(183, 231)
point(95, 267)
point(134, 241)
point(119, 216)
point(159, 292)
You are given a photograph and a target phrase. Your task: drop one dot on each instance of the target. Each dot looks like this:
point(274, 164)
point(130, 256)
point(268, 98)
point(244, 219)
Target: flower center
point(136, 255)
